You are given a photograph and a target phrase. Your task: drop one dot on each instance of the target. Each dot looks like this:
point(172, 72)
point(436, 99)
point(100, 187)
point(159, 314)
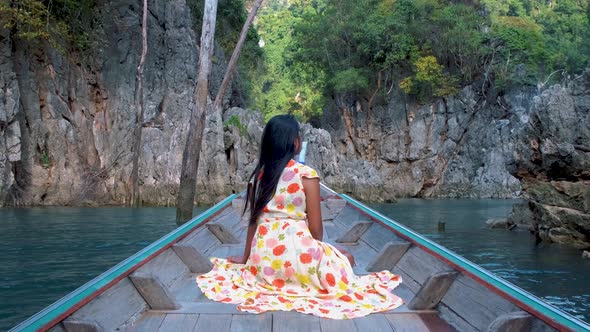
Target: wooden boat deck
point(155, 289)
point(198, 313)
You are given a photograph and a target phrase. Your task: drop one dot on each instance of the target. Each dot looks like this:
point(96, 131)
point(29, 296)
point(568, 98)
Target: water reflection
point(46, 253)
point(556, 273)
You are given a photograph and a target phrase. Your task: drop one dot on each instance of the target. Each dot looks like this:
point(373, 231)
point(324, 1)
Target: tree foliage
point(55, 21)
point(429, 48)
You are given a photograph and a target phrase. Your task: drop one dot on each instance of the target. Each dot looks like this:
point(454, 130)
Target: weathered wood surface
point(289, 321)
point(224, 235)
point(293, 322)
point(57, 328)
point(167, 266)
point(149, 322)
point(387, 258)
point(378, 236)
point(251, 323)
point(419, 265)
point(354, 233)
point(433, 290)
point(194, 260)
point(331, 208)
point(155, 293)
point(475, 303)
point(177, 323)
point(512, 322)
point(337, 325)
point(406, 323)
point(214, 323)
point(114, 307)
point(202, 239)
point(72, 324)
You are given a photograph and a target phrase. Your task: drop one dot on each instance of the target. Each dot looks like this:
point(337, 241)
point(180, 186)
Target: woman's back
point(289, 198)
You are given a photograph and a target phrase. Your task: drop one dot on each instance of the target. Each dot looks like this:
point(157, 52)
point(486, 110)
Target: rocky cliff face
point(66, 122)
point(552, 160)
point(66, 125)
point(457, 147)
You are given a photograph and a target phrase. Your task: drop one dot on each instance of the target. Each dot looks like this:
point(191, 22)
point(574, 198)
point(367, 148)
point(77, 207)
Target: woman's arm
point(314, 211)
point(243, 259)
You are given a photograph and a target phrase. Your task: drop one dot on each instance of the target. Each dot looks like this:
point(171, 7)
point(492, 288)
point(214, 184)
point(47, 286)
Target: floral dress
point(289, 270)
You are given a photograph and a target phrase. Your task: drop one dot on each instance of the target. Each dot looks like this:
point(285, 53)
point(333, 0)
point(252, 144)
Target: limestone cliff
point(553, 162)
point(456, 147)
point(66, 120)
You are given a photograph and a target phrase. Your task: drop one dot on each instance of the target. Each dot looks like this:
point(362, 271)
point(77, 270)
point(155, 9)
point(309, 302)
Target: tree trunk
point(235, 55)
point(192, 149)
point(139, 110)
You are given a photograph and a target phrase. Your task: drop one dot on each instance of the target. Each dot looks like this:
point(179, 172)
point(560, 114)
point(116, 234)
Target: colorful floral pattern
point(289, 270)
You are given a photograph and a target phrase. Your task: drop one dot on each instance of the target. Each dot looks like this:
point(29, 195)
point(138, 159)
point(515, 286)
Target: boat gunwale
point(54, 313)
point(561, 320)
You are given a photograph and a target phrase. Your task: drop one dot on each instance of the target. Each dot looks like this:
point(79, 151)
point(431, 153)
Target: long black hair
point(276, 150)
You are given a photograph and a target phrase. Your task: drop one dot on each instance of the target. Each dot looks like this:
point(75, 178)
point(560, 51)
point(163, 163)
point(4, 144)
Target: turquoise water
point(46, 253)
point(555, 273)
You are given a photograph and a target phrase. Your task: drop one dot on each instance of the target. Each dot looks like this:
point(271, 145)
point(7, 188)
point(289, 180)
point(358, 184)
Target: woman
point(285, 265)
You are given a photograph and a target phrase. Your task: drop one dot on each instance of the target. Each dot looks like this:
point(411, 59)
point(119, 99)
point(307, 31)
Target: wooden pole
point(235, 56)
point(192, 149)
point(139, 108)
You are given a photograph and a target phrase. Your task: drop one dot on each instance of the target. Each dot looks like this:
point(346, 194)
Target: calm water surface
point(46, 253)
point(555, 273)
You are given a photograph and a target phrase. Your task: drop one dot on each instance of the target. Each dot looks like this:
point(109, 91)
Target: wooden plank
point(205, 307)
point(238, 205)
point(406, 323)
point(294, 322)
point(512, 322)
point(456, 321)
point(57, 328)
point(354, 233)
point(202, 238)
point(378, 236)
point(388, 257)
point(374, 322)
point(73, 324)
point(226, 250)
point(433, 290)
point(153, 291)
point(348, 215)
point(175, 323)
point(407, 280)
point(187, 290)
point(330, 231)
point(434, 323)
point(337, 325)
point(475, 303)
point(331, 208)
point(251, 323)
point(362, 253)
point(419, 264)
point(114, 307)
point(167, 266)
point(213, 323)
point(192, 258)
point(224, 235)
point(149, 322)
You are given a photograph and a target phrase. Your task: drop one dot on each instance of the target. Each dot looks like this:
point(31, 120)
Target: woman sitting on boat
point(285, 265)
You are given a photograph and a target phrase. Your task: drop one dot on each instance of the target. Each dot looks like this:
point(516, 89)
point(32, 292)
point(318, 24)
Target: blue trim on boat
point(544, 308)
point(69, 301)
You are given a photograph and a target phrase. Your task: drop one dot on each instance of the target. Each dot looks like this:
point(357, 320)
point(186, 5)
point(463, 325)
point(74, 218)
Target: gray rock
point(70, 140)
point(499, 223)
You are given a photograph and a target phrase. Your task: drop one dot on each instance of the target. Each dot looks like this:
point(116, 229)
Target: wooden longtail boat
point(155, 289)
